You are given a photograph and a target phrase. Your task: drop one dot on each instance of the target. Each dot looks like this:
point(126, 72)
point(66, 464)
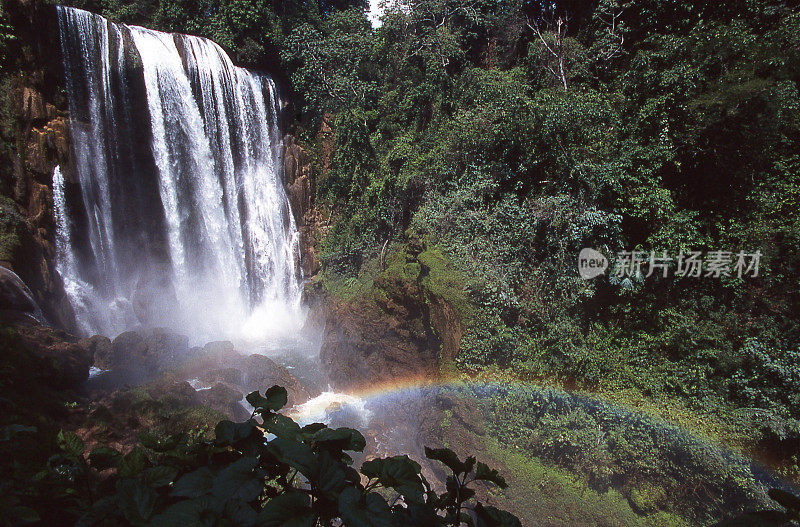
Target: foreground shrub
point(269, 473)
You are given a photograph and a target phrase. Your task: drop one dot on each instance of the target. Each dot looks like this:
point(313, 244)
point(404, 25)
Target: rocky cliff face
point(36, 138)
point(301, 187)
point(406, 328)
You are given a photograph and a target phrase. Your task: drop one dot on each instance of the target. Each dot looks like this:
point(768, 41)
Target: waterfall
point(179, 216)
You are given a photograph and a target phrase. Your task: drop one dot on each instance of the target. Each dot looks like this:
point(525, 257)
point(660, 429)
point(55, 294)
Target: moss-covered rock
point(12, 226)
point(404, 321)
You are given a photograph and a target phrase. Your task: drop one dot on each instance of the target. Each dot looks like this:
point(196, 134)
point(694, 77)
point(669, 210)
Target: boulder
point(59, 361)
point(100, 349)
point(263, 373)
point(226, 375)
point(364, 346)
point(180, 393)
point(226, 399)
point(168, 348)
point(14, 294)
point(129, 351)
point(219, 347)
point(145, 354)
point(404, 330)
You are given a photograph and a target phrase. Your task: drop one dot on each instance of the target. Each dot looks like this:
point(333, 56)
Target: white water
point(182, 219)
point(318, 409)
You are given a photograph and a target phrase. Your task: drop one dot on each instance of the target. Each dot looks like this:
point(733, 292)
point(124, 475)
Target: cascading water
point(179, 216)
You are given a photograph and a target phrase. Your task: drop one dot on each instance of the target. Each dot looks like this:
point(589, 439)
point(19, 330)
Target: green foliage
point(656, 466)
point(267, 473)
point(789, 517)
point(11, 230)
point(679, 129)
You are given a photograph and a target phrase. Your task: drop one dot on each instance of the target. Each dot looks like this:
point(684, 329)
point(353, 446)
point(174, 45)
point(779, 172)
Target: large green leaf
point(492, 517)
point(133, 463)
point(458, 492)
point(160, 476)
point(399, 473)
point(329, 478)
point(237, 480)
point(273, 400)
point(448, 457)
point(70, 443)
point(339, 439)
point(294, 454)
point(287, 510)
point(358, 510)
point(194, 484)
point(241, 514)
point(103, 457)
point(313, 428)
point(228, 432)
point(136, 500)
point(281, 426)
point(196, 512)
point(486, 474)
point(99, 512)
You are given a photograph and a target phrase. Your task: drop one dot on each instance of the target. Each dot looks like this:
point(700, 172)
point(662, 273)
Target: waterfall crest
point(179, 216)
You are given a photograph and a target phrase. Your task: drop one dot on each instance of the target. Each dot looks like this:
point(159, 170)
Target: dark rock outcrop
point(101, 351)
point(405, 329)
point(16, 300)
point(298, 177)
point(365, 346)
point(137, 356)
point(262, 372)
point(224, 398)
point(38, 124)
point(56, 358)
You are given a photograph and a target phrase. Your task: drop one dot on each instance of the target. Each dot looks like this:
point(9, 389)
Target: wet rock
point(300, 185)
point(199, 361)
point(226, 399)
point(59, 361)
point(219, 347)
point(168, 348)
point(100, 349)
point(263, 373)
point(14, 294)
point(405, 329)
point(30, 105)
point(145, 354)
point(226, 375)
point(180, 393)
point(129, 351)
point(364, 346)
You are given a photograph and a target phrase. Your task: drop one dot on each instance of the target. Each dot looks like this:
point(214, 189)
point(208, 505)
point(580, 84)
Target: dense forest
point(505, 136)
point(510, 135)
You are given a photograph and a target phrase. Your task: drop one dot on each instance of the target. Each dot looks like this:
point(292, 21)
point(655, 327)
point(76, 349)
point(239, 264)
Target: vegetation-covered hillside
point(511, 134)
point(504, 136)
